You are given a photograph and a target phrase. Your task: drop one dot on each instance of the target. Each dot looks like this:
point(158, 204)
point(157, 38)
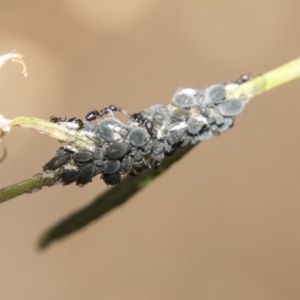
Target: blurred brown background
point(224, 222)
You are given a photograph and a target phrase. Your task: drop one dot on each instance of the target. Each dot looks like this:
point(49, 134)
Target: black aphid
point(115, 150)
point(69, 176)
point(86, 174)
point(110, 166)
point(62, 157)
point(111, 179)
point(83, 156)
point(125, 164)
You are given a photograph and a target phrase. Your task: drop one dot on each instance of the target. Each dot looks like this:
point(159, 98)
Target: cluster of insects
point(146, 137)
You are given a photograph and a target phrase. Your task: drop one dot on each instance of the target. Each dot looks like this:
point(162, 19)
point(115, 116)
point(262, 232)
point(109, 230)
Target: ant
point(231, 85)
point(93, 115)
point(139, 118)
point(75, 120)
point(244, 78)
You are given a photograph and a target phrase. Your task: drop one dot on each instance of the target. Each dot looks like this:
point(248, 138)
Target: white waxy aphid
point(111, 129)
point(161, 131)
point(181, 125)
point(195, 123)
point(138, 137)
point(176, 133)
point(228, 122)
point(187, 91)
point(231, 107)
point(185, 98)
point(216, 118)
point(215, 94)
point(205, 135)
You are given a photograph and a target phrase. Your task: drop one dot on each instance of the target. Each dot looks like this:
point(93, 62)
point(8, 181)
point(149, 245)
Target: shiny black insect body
point(86, 174)
point(75, 120)
point(139, 118)
point(63, 155)
point(54, 119)
point(244, 78)
point(111, 179)
point(93, 115)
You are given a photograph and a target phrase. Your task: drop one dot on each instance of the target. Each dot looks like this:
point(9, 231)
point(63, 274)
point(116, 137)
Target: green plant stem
point(268, 81)
point(30, 185)
point(63, 134)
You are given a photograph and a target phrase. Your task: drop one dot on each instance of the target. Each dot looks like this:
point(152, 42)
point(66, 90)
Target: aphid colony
point(146, 138)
